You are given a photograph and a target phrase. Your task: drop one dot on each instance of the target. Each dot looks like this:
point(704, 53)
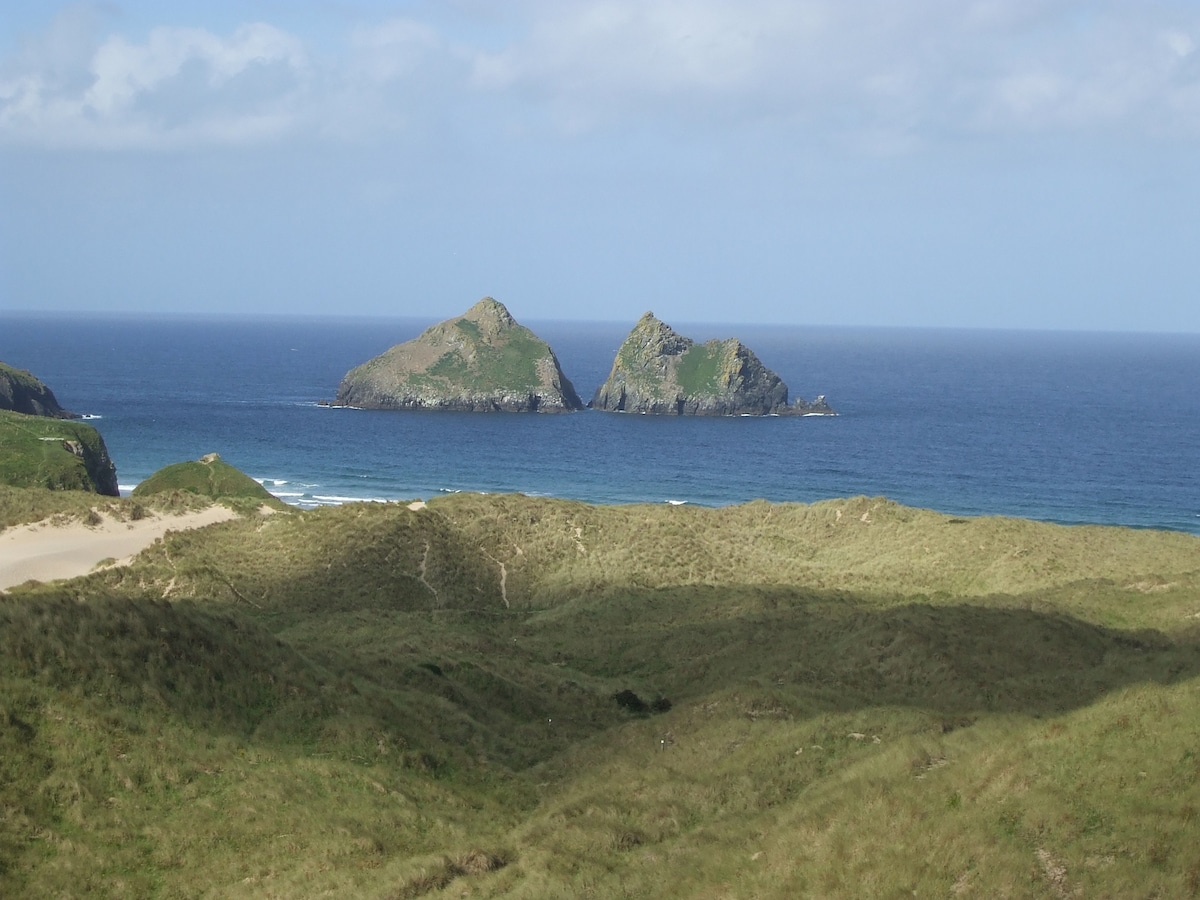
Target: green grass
point(35, 451)
point(208, 477)
point(471, 329)
point(701, 370)
point(507, 365)
point(865, 701)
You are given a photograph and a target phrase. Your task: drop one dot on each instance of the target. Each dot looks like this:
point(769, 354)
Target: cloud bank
point(870, 72)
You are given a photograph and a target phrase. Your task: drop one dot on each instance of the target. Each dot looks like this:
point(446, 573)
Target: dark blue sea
point(1065, 427)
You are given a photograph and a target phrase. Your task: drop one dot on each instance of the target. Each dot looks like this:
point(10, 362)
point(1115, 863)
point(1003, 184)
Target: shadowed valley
point(506, 696)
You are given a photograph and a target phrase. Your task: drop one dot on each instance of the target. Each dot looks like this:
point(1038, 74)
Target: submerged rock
point(482, 361)
point(660, 372)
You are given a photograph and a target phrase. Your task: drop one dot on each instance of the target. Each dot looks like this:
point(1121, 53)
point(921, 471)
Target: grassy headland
point(40, 451)
point(847, 699)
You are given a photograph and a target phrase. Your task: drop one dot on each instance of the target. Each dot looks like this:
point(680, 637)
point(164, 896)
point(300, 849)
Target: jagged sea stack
point(660, 372)
point(482, 361)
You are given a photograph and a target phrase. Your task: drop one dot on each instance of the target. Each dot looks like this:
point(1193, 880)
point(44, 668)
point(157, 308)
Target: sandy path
point(46, 553)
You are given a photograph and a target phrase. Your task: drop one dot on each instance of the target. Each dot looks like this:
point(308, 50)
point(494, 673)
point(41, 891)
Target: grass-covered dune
point(505, 696)
point(209, 476)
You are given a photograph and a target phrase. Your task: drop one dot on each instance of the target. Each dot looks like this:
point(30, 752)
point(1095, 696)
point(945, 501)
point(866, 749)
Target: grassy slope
point(208, 477)
point(867, 700)
point(508, 365)
point(475, 363)
point(701, 370)
point(33, 454)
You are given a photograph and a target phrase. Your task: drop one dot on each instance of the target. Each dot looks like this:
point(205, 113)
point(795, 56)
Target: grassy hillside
point(38, 451)
point(511, 364)
point(209, 477)
point(845, 699)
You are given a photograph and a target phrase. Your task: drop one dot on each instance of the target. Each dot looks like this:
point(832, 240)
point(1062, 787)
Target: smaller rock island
point(660, 372)
point(482, 361)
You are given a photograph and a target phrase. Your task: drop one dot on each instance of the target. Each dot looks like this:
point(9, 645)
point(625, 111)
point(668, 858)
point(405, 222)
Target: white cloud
point(124, 71)
point(870, 72)
point(921, 66)
point(394, 49)
point(1181, 44)
point(182, 86)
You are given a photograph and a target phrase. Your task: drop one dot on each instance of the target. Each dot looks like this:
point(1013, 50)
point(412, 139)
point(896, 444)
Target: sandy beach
point(45, 552)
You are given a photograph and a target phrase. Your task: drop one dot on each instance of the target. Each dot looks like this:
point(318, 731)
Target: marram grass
point(859, 700)
point(208, 477)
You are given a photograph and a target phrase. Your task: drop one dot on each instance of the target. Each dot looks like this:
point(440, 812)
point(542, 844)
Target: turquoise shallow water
point(1068, 427)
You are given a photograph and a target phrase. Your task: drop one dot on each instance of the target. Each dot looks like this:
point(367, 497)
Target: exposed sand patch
point(44, 552)
point(416, 504)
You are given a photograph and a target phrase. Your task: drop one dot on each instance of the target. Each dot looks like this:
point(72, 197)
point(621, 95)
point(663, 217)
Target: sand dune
point(45, 552)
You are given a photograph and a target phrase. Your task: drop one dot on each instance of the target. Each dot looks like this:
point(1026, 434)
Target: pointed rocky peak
point(490, 315)
point(652, 337)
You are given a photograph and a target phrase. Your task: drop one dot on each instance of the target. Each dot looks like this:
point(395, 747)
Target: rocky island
point(482, 361)
point(660, 372)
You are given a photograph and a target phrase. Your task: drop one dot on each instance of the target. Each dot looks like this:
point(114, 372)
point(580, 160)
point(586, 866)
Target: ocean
point(1064, 427)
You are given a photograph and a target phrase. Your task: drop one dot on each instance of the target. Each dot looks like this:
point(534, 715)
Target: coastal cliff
point(39, 451)
point(483, 361)
point(660, 372)
point(22, 392)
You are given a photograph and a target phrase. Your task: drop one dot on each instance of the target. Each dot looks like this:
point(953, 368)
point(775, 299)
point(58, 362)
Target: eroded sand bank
point(46, 552)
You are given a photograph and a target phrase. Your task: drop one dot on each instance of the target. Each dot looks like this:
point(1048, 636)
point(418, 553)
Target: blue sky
point(962, 163)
